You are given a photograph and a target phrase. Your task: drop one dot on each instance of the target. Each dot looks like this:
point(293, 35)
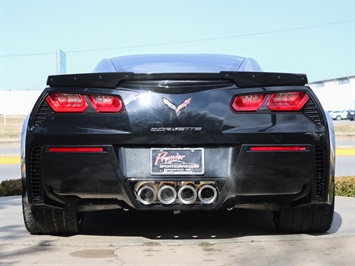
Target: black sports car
point(177, 133)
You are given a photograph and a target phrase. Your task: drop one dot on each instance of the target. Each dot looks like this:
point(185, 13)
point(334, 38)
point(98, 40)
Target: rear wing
point(241, 79)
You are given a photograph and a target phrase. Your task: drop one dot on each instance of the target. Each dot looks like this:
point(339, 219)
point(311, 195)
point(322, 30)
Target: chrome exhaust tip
point(167, 194)
point(146, 194)
point(187, 194)
point(207, 194)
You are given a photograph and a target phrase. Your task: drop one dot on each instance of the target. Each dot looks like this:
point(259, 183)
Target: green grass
point(11, 187)
point(345, 186)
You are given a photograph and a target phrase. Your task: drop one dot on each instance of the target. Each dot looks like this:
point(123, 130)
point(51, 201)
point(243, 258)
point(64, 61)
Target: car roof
point(177, 63)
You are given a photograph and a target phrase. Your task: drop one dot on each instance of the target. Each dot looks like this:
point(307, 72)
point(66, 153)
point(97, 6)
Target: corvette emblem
point(174, 108)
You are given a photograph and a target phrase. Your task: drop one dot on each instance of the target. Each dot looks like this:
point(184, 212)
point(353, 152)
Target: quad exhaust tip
point(167, 192)
point(146, 194)
point(187, 194)
point(207, 194)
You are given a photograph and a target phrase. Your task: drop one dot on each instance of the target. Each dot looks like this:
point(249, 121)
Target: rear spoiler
point(241, 79)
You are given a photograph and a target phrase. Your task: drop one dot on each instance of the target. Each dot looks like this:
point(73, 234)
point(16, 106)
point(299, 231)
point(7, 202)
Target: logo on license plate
point(176, 161)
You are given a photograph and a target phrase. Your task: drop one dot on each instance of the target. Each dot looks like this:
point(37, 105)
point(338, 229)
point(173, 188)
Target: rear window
point(193, 63)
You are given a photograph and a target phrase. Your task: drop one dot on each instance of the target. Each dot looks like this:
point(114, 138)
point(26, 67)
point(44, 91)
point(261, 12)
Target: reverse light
point(251, 102)
point(67, 103)
point(287, 101)
point(106, 103)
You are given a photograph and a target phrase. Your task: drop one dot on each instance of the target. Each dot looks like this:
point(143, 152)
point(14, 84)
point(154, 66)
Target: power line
point(189, 41)
point(32, 54)
point(213, 38)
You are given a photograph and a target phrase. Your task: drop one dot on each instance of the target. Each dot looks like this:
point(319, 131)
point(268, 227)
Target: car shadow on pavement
point(185, 225)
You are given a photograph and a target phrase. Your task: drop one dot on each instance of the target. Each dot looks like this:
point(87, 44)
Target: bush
point(11, 187)
point(344, 186)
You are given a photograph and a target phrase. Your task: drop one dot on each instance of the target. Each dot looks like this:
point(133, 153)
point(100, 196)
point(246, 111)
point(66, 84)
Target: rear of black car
point(178, 142)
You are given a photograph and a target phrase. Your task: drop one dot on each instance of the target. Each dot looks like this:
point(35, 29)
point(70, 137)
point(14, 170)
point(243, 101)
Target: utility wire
point(189, 41)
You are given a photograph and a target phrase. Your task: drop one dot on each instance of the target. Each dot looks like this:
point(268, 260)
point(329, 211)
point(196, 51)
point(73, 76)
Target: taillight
point(287, 101)
point(251, 102)
point(106, 104)
point(282, 101)
point(67, 103)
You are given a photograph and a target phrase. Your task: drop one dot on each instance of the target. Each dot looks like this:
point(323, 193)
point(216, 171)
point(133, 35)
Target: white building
point(336, 94)
point(17, 102)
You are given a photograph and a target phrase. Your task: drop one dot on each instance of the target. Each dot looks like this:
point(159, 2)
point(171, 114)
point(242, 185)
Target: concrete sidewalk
point(129, 238)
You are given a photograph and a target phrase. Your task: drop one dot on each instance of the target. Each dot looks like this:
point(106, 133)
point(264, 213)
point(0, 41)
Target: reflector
point(278, 148)
point(75, 149)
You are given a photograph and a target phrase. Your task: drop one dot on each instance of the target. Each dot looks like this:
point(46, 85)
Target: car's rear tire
point(315, 218)
point(48, 220)
point(338, 118)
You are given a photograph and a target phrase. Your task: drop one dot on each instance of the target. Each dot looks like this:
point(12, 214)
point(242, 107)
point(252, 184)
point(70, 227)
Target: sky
point(312, 37)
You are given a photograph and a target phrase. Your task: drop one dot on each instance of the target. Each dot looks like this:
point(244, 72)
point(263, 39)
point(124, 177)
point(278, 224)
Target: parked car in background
point(339, 115)
point(351, 115)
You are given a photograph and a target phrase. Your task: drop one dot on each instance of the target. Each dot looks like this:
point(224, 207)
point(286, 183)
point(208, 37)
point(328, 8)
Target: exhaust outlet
point(207, 194)
point(187, 194)
point(167, 194)
point(146, 193)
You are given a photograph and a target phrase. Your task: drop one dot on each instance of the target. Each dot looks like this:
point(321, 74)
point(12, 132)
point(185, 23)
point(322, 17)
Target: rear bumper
point(240, 176)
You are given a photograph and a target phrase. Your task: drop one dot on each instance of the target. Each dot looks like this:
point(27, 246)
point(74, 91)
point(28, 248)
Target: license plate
point(184, 161)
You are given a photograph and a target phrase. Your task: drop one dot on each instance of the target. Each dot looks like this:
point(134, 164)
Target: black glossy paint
point(226, 136)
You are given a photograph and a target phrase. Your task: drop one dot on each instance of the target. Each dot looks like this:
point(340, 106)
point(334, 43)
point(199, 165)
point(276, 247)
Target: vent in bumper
point(320, 180)
point(35, 186)
point(43, 113)
point(312, 112)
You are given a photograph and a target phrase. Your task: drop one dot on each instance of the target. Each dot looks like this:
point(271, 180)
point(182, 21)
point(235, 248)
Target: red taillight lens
point(287, 101)
point(106, 104)
point(250, 102)
point(76, 149)
point(278, 148)
point(67, 103)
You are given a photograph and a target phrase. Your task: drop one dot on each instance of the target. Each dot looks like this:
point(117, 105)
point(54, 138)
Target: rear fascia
point(233, 133)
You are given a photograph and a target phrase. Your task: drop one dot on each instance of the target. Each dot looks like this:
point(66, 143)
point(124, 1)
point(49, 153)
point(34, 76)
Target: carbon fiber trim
point(241, 79)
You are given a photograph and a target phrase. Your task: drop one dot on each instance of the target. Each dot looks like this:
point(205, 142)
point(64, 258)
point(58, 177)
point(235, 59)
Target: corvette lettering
point(171, 129)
